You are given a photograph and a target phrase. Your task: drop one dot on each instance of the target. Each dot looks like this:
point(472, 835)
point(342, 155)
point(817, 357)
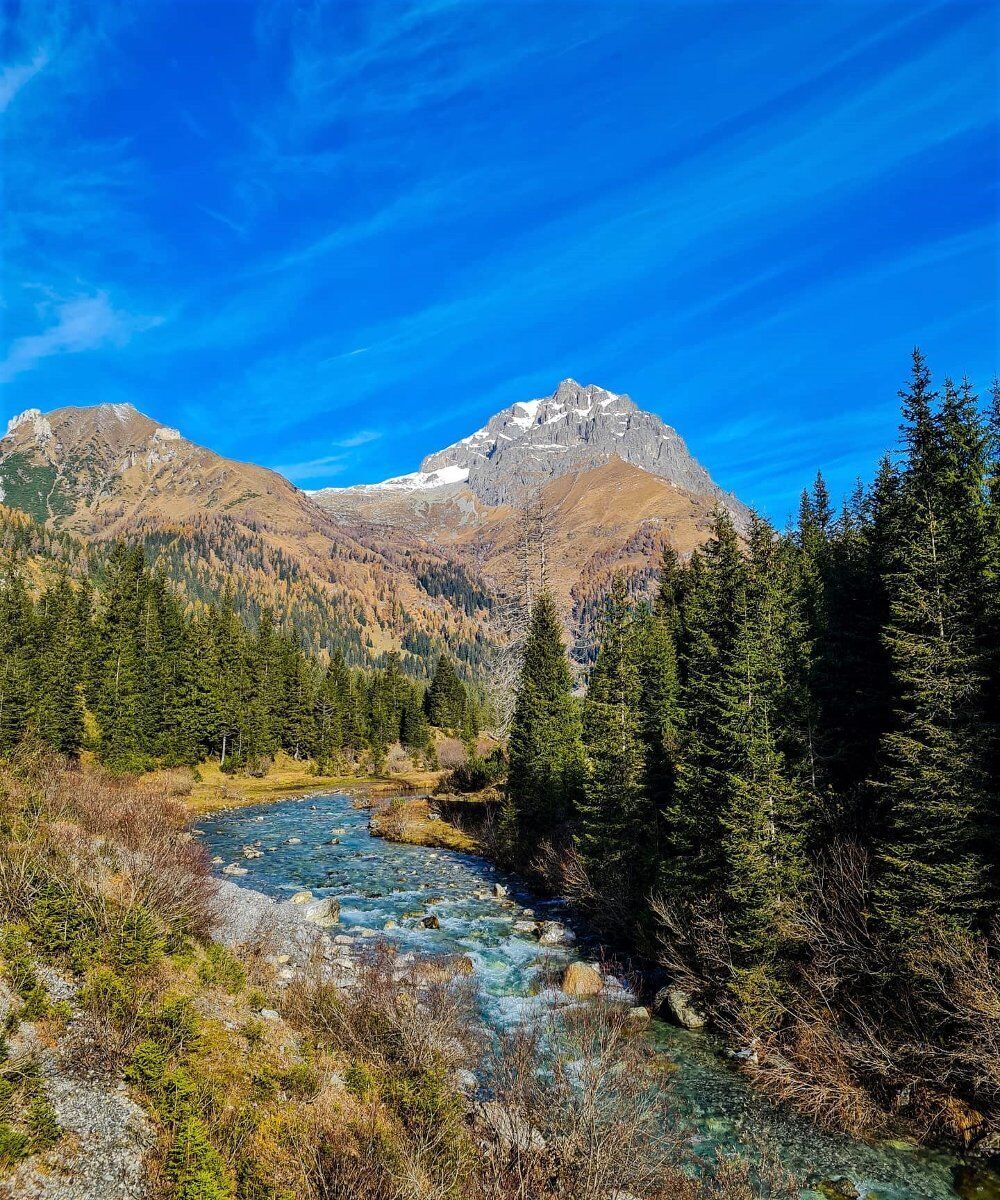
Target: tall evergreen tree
point(615, 819)
point(446, 698)
point(764, 798)
point(713, 596)
point(935, 775)
point(546, 753)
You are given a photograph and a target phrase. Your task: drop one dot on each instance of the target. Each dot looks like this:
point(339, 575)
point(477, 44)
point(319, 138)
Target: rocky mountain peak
point(576, 428)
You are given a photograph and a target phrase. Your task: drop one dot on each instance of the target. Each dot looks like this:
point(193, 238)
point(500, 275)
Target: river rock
point(293, 841)
point(323, 912)
point(582, 979)
point(679, 1006)
point(525, 927)
point(499, 891)
point(233, 869)
point(638, 1017)
point(431, 922)
point(553, 933)
point(302, 897)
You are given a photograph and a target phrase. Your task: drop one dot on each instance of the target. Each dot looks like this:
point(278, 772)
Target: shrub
point(300, 1081)
point(42, 1125)
point(15, 952)
point(476, 774)
point(220, 966)
point(148, 1065)
point(194, 1165)
point(138, 942)
point(174, 1026)
point(14, 1145)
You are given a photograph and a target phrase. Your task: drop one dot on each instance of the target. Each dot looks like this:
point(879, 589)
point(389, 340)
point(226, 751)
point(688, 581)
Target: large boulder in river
point(324, 912)
point(678, 1004)
point(582, 979)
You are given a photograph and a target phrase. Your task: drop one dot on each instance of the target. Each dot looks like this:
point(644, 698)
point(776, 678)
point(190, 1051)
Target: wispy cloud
point(314, 468)
point(361, 438)
point(14, 77)
point(74, 325)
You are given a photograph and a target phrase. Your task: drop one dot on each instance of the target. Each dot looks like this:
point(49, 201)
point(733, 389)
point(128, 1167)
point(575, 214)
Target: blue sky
point(332, 237)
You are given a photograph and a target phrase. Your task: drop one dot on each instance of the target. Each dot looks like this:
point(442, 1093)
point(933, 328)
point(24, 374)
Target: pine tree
point(57, 701)
point(16, 641)
point(692, 864)
point(414, 730)
point(661, 721)
point(765, 800)
point(615, 822)
point(546, 753)
point(935, 776)
point(446, 698)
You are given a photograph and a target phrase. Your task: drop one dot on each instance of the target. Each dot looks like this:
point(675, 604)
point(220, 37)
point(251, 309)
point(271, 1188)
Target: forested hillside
point(130, 671)
point(108, 473)
point(783, 782)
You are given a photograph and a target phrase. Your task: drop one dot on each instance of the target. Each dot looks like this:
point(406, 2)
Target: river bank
point(207, 789)
point(441, 902)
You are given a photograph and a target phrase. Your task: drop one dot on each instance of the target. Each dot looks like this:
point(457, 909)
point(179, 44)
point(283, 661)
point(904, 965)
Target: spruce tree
point(692, 863)
point(764, 797)
point(446, 699)
point(546, 752)
point(935, 775)
point(16, 641)
point(614, 827)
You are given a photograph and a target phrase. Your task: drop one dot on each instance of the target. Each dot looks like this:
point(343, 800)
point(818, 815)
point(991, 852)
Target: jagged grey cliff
point(575, 429)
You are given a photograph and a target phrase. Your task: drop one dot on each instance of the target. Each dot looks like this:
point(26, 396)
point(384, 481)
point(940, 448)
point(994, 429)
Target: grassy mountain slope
point(109, 471)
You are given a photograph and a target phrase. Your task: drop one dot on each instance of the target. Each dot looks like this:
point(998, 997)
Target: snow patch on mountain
point(575, 429)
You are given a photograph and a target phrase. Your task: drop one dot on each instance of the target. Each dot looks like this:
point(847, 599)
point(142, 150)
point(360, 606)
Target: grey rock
point(678, 1005)
point(553, 933)
point(574, 429)
point(534, 441)
point(321, 912)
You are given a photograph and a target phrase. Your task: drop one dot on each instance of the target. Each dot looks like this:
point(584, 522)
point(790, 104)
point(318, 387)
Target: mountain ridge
point(107, 471)
point(414, 563)
point(530, 442)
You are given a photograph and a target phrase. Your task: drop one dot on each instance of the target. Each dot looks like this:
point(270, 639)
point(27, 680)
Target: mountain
point(607, 484)
point(534, 441)
point(575, 487)
point(109, 471)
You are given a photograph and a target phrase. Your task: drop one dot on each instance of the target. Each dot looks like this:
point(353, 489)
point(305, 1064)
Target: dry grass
point(215, 790)
point(409, 821)
point(109, 851)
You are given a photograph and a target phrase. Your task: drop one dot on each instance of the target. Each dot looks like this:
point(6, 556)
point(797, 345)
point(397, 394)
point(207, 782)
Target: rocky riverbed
point(439, 902)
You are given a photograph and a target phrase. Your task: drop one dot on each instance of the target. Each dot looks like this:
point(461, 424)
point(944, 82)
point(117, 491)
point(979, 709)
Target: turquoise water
point(378, 882)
